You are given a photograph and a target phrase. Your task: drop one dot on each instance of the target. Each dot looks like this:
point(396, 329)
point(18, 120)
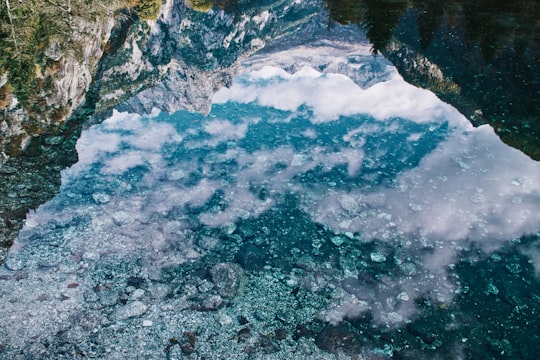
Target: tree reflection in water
point(487, 53)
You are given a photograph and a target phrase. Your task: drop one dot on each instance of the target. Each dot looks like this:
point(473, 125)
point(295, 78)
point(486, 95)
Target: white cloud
point(332, 95)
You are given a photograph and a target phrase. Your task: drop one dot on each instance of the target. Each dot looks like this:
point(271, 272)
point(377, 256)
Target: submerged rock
point(377, 257)
point(251, 257)
point(227, 278)
point(340, 338)
point(130, 310)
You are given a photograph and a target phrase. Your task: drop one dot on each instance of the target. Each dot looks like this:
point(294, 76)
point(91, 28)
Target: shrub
point(200, 5)
point(148, 9)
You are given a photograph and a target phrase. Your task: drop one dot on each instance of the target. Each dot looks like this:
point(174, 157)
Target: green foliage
point(200, 5)
point(148, 9)
point(18, 47)
point(27, 28)
point(487, 50)
point(490, 24)
point(22, 75)
point(377, 17)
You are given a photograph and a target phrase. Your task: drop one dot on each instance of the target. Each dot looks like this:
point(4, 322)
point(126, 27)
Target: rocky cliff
point(44, 81)
point(48, 72)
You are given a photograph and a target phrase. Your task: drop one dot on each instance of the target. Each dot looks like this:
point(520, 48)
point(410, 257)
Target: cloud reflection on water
point(389, 163)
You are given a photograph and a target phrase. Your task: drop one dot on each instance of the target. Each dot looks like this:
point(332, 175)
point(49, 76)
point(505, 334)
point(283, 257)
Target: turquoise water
point(303, 215)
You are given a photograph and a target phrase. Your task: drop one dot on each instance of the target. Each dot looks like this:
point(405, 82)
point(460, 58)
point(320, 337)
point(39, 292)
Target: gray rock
point(227, 278)
point(377, 257)
point(130, 310)
point(204, 302)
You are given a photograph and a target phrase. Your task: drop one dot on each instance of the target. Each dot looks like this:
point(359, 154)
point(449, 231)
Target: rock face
point(180, 60)
point(61, 81)
point(37, 139)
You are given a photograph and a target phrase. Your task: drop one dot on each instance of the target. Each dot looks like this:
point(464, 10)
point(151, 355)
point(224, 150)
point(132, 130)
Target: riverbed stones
point(337, 240)
point(340, 338)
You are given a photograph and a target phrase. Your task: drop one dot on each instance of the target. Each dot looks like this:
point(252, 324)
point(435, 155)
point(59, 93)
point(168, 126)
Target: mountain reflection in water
point(481, 57)
point(307, 216)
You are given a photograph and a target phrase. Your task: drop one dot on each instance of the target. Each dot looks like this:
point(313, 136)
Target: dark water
point(488, 51)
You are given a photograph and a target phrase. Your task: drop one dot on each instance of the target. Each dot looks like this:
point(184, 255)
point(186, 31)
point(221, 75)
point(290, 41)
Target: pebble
point(317, 243)
point(137, 294)
point(7, 170)
point(403, 296)
point(349, 203)
point(251, 257)
point(212, 303)
point(101, 198)
point(492, 290)
point(415, 207)
point(408, 268)
point(205, 286)
point(225, 320)
point(147, 323)
point(496, 257)
point(377, 257)
point(298, 160)
point(90, 256)
point(14, 263)
point(394, 318)
point(207, 242)
point(122, 217)
point(291, 283)
point(131, 310)
point(228, 228)
point(227, 277)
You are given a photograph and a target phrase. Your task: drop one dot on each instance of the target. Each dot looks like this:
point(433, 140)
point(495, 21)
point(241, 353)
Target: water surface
point(348, 218)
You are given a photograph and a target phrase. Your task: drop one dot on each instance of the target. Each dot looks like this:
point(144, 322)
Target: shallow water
point(348, 218)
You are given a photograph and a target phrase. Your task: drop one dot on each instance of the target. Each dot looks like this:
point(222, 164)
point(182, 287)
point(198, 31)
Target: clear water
point(342, 205)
